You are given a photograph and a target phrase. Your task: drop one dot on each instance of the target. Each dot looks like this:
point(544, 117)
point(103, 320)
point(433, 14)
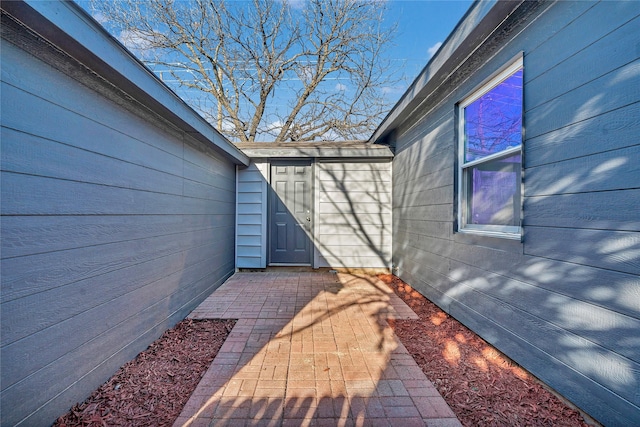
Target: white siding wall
point(353, 214)
point(251, 222)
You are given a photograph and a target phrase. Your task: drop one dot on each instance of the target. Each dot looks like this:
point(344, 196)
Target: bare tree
point(299, 71)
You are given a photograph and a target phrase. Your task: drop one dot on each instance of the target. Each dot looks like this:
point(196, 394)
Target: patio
point(311, 348)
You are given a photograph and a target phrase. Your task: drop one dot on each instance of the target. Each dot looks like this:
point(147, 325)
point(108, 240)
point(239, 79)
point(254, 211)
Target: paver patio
point(311, 348)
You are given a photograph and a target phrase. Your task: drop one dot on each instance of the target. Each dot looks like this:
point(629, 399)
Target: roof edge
point(72, 30)
point(317, 150)
point(482, 18)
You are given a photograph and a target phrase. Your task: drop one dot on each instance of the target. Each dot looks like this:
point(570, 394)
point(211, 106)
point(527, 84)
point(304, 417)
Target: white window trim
point(492, 82)
point(501, 231)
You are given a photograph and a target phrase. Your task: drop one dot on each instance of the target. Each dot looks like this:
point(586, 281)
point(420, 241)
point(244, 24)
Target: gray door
point(290, 213)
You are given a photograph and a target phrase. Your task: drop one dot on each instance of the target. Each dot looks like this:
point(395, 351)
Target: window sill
point(487, 233)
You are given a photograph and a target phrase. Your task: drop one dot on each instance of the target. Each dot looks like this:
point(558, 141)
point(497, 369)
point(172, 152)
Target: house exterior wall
point(353, 219)
point(565, 302)
point(114, 226)
point(351, 215)
point(251, 222)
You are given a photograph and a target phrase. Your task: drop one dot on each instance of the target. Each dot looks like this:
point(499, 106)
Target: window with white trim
point(490, 156)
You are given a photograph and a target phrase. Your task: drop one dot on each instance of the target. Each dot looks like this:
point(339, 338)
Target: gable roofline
point(475, 27)
point(73, 31)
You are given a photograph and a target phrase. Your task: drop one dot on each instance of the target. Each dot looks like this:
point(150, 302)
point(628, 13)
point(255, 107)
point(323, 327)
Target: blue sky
point(422, 25)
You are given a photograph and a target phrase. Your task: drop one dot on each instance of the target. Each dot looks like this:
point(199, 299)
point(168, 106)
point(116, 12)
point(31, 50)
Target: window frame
point(463, 190)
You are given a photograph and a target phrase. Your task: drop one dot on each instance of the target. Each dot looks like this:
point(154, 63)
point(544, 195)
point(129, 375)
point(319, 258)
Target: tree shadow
point(350, 204)
point(564, 302)
point(358, 202)
point(332, 360)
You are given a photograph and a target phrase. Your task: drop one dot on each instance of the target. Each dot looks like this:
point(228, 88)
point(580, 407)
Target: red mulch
point(152, 389)
point(481, 385)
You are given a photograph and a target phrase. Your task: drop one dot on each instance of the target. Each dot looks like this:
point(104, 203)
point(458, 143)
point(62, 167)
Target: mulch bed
point(152, 389)
point(481, 385)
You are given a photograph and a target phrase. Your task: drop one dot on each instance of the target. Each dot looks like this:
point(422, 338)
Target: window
point(490, 156)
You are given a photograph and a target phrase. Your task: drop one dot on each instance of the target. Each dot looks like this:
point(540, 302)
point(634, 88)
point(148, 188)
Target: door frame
point(311, 162)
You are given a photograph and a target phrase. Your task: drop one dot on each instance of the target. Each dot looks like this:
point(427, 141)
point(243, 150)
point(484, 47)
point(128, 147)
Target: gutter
point(318, 150)
point(72, 30)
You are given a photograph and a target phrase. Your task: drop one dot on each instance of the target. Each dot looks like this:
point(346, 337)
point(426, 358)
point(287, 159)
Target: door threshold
point(285, 264)
point(295, 268)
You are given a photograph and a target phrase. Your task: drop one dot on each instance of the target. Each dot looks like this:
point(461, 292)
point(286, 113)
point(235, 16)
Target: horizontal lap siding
point(354, 214)
point(565, 303)
point(251, 223)
point(113, 228)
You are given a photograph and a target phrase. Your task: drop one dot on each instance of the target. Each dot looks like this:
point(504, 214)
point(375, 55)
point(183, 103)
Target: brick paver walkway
point(311, 349)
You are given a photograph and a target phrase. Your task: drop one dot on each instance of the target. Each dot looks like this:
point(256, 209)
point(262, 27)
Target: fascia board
point(482, 18)
point(382, 152)
point(72, 30)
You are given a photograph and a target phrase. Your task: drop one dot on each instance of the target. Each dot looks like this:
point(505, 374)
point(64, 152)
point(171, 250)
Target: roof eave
point(73, 31)
point(334, 151)
point(482, 18)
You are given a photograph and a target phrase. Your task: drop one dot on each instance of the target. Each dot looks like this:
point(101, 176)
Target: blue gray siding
point(564, 303)
point(251, 222)
point(114, 226)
